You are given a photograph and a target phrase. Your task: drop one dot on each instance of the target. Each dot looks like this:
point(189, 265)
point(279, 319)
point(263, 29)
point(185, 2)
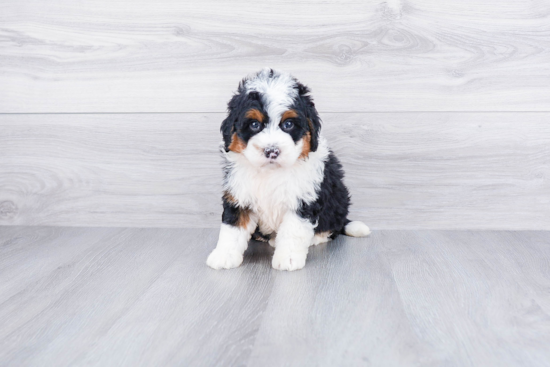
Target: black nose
point(271, 152)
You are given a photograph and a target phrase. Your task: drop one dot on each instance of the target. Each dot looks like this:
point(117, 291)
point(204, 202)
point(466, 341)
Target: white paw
point(272, 242)
point(284, 259)
point(220, 259)
point(321, 238)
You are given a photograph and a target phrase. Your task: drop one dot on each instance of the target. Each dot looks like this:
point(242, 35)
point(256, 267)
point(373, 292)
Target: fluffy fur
point(282, 183)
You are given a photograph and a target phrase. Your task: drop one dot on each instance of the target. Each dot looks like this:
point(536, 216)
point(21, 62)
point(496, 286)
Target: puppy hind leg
point(259, 236)
point(321, 238)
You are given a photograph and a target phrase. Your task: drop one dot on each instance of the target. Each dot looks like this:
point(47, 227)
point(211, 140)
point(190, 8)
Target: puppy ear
point(227, 129)
point(314, 126)
point(312, 116)
point(228, 125)
point(235, 108)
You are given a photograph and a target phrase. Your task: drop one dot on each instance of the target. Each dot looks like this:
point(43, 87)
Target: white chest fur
point(271, 192)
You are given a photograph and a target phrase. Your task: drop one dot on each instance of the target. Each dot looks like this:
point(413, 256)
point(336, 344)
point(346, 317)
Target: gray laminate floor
point(108, 296)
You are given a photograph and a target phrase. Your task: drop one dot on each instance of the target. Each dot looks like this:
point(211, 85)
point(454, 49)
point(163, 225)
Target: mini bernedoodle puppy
point(282, 183)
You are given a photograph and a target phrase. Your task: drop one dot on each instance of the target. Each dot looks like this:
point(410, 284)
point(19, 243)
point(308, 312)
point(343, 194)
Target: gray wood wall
point(439, 110)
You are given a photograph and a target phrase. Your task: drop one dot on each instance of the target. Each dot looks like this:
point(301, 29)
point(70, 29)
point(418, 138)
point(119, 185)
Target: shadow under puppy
point(281, 181)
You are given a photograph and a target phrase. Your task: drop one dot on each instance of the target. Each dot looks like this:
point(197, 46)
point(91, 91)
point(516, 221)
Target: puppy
point(282, 183)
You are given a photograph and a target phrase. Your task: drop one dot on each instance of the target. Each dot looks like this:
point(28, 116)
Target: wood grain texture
point(111, 169)
point(414, 170)
point(181, 56)
point(413, 298)
point(127, 297)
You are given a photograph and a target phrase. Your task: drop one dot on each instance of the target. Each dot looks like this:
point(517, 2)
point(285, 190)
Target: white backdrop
point(439, 110)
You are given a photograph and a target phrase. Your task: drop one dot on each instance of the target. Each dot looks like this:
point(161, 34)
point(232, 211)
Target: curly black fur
point(306, 109)
point(331, 208)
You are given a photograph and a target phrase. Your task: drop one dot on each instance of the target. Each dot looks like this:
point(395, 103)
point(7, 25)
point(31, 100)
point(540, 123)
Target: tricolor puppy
point(282, 183)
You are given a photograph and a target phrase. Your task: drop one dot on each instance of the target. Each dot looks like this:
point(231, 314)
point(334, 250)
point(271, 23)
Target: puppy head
point(272, 120)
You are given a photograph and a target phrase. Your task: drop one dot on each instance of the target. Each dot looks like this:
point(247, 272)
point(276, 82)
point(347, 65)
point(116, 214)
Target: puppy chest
point(270, 214)
point(270, 194)
point(269, 200)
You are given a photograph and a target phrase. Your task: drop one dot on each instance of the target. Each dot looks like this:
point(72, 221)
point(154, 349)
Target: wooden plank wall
point(439, 110)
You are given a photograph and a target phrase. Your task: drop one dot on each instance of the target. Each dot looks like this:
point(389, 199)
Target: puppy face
point(272, 121)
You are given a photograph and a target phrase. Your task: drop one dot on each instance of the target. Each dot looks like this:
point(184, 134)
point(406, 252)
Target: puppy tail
point(356, 229)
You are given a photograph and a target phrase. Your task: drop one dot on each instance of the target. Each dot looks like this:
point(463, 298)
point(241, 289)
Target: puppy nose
point(271, 152)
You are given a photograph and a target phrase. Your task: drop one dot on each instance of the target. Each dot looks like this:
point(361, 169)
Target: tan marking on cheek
point(306, 148)
point(237, 144)
point(244, 218)
point(254, 114)
point(290, 114)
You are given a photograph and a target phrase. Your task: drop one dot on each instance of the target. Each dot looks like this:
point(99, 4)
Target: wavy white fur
point(266, 191)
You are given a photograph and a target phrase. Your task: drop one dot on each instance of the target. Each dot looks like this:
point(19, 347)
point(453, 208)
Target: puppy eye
point(288, 124)
point(255, 125)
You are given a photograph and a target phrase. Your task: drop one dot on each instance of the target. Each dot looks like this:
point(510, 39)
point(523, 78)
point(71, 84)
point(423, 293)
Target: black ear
point(312, 116)
point(228, 125)
point(314, 127)
point(235, 108)
point(227, 129)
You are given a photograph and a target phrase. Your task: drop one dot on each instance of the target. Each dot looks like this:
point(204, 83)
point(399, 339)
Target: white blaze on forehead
point(278, 92)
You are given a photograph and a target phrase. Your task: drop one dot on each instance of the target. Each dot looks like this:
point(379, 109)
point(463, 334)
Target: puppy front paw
point(220, 259)
point(284, 259)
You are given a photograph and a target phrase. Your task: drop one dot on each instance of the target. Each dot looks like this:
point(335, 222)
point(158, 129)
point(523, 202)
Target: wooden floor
point(113, 296)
